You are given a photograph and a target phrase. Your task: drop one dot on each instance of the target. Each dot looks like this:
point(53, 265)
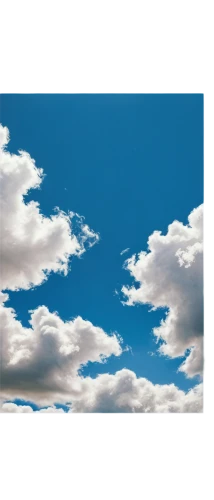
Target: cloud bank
point(124, 393)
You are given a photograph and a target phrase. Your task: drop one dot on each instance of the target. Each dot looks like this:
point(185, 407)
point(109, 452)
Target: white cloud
point(125, 393)
point(14, 408)
point(170, 275)
point(41, 363)
point(32, 245)
point(51, 409)
point(124, 251)
point(89, 235)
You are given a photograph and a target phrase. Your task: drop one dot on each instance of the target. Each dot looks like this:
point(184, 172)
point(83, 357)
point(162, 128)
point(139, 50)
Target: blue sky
point(130, 164)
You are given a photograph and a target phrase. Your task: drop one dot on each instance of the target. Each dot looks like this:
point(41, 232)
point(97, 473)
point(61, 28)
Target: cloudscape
point(101, 194)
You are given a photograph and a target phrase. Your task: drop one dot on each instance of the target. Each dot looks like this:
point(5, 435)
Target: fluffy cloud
point(32, 245)
point(14, 408)
point(124, 393)
point(170, 275)
point(41, 363)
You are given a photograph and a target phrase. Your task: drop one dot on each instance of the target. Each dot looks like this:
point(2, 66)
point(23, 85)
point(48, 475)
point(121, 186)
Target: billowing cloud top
point(170, 275)
point(32, 245)
point(125, 393)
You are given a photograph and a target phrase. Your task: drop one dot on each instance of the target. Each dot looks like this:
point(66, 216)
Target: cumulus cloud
point(125, 393)
point(14, 408)
point(170, 275)
point(32, 245)
point(41, 363)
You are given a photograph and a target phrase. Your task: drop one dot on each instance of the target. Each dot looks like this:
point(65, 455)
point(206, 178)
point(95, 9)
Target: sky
point(130, 165)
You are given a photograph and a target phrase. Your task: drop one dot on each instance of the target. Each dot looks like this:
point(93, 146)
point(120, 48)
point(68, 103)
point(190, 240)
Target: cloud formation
point(170, 275)
point(14, 408)
point(41, 363)
point(123, 393)
point(32, 245)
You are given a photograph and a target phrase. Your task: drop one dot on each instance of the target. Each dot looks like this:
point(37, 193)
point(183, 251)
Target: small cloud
point(151, 353)
point(152, 309)
point(88, 234)
point(124, 251)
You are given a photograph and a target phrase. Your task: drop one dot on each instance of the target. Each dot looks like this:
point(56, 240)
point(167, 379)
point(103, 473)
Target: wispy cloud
point(124, 251)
